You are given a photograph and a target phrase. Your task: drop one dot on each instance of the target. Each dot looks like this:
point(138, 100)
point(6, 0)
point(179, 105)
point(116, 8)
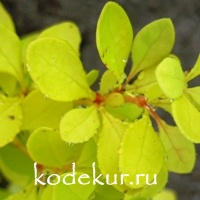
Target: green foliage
point(180, 151)
point(49, 115)
point(125, 112)
point(141, 138)
point(67, 31)
point(110, 143)
point(79, 125)
point(115, 99)
point(57, 79)
point(114, 42)
point(187, 118)
point(193, 95)
point(108, 82)
point(195, 70)
point(10, 118)
point(10, 61)
point(170, 78)
point(76, 191)
point(155, 189)
point(19, 169)
point(54, 150)
point(35, 117)
point(6, 19)
point(166, 194)
point(147, 42)
point(92, 76)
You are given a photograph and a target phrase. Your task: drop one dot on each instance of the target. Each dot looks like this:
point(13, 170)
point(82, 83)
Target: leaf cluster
point(50, 115)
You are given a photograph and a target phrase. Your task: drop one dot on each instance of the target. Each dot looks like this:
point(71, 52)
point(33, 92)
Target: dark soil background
point(32, 15)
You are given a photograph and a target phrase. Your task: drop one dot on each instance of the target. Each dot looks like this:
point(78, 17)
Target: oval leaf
point(195, 70)
point(114, 37)
point(48, 114)
point(92, 76)
point(8, 83)
point(170, 77)
point(30, 192)
point(25, 41)
point(108, 148)
point(56, 69)
point(6, 19)
point(79, 125)
point(108, 82)
point(187, 118)
point(152, 44)
point(166, 194)
point(50, 151)
point(67, 31)
point(76, 191)
point(141, 153)
point(108, 143)
point(15, 165)
point(10, 53)
point(88, 156)
point(180, 151)
point(114, 99)
point(144, 80)
point(106, 192)
point(146, 83)
point(161, 180)
point(194, 96)
point(126, 112)
point(10, 119)
point(47, 192)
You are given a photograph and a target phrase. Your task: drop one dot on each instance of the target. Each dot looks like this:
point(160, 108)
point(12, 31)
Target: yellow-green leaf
point(73, 191)
point(8, 83)
point(92, 76)
point(144, 80)
point(25, 41)
point(41, 112)
point(107, 192)
point(67, 31)
point(166, 194)
point(195, 70)
point(10, 119)
point(30, 192)
point(4, 193)
point(170, 77)
point(88, 156)
point(79, 125)
point(154, 92)
point(152, 44)
point(114, 37)
point(141, 152)
point(108, 148)
point(108, 82)
point(146, 84)
point(46, 147)
point(187, 118)
point(152, 190)
point(57, 70)
point(180, 151)
point(114, 99)
point(47, 192)
point(15, 165)
point(6, 19)
point(10, 53)
point(108, 143)
point(126, 112)
point(194, 95)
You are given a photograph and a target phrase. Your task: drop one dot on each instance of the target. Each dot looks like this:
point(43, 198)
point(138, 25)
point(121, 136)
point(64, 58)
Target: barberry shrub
point(51, 121)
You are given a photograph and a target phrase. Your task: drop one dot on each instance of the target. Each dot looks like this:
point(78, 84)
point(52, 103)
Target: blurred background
point(32, 15)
